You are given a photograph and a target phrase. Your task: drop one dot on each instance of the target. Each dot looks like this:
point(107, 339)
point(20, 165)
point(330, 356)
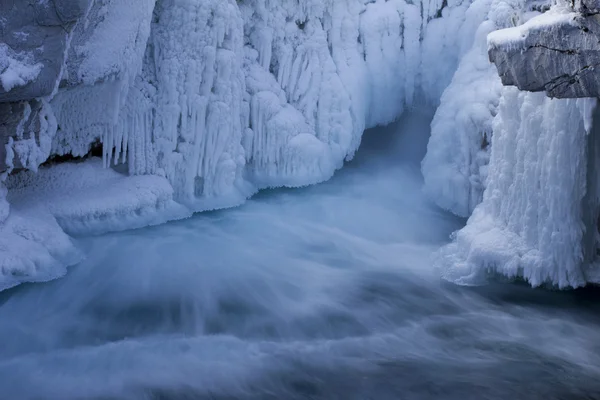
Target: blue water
point(325, 292)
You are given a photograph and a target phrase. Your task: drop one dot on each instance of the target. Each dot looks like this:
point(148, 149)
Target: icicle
point(107, 146)
point(265, 47)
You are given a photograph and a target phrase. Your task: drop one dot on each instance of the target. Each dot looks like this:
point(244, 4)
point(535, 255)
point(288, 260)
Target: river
point(324, 292)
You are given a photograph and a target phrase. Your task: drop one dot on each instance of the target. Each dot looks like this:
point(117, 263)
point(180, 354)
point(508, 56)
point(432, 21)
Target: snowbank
point(547, 22)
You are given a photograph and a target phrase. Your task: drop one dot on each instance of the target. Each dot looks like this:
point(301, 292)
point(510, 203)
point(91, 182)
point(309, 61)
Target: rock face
point(588, 7)
point(37, 33)
point(34, 40)
point(555, 52)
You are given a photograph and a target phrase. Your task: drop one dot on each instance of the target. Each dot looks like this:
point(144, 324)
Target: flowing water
point(325, 292)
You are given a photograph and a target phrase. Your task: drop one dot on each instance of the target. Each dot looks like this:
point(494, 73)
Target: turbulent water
point(325, 292)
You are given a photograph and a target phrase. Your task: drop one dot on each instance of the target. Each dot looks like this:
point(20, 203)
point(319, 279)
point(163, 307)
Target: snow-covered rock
point(34, 38)
point(557, 52)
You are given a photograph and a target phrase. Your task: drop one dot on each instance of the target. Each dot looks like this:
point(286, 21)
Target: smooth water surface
point(324, 292)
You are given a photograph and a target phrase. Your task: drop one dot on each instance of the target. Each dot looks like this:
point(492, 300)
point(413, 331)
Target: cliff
point(557, 52)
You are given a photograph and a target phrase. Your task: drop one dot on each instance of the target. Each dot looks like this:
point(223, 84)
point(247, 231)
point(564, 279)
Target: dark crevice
point(438, 14)
point(568, 51)
point(95, 151)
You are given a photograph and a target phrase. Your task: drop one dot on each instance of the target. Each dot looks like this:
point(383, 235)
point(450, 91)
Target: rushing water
point(324, 292)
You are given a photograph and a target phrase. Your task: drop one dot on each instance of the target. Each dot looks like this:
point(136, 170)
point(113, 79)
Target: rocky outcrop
point(557, 52)
point(37, 33)
point(34, 41)
point(588, 7)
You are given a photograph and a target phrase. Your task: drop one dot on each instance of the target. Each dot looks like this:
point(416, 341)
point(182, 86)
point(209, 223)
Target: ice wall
point(455, 167)
point(531, 222)
point(224, 98)
point(298, 82)
point(521, 165)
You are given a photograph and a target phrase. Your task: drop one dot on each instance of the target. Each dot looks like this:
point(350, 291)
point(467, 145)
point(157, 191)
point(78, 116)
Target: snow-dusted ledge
point(557, 52)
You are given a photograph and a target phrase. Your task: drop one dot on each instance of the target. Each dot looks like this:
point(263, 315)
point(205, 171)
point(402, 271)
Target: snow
point(16, 69)
point(84, 197)
point(547, 21)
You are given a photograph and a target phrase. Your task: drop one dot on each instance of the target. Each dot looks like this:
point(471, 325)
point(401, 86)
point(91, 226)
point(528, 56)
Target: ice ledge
point(82, 198)
point(557, 52)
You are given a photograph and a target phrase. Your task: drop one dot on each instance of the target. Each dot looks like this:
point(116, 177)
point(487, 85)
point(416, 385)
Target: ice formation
point(531, 187)
point(197, 104)
point(532, 220)
point(216, 99)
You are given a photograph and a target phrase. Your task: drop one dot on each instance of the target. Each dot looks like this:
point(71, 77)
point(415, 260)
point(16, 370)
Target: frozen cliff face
point(455, 165)
point(298, 83)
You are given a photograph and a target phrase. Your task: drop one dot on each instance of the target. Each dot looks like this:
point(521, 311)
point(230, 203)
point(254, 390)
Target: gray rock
point(560, 59)
point(11, 115)
point(588, 7)
point(39, 28)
